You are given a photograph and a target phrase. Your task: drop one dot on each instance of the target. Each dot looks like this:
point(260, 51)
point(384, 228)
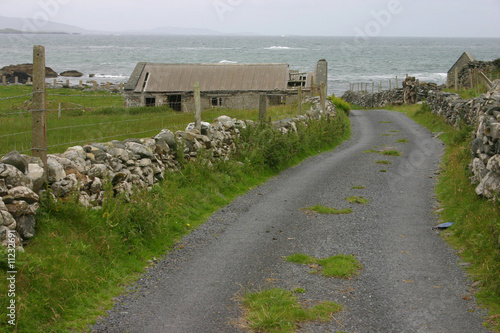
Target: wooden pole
point(373, 88)
point(197, 106)
point(322, 94)
point(4, 79)
point(59, 111)
point(39, 122)
point(262, 107)
point(396, 82)
point(471, 75)
point(390, 84)
point(300, 100)
point(55, 82)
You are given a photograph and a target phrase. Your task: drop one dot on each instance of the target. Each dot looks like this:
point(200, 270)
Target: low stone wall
point(129, 164)
point(483, 114)
point(413, 91)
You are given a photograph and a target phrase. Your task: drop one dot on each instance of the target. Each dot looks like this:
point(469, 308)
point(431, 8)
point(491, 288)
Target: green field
point(76, 117)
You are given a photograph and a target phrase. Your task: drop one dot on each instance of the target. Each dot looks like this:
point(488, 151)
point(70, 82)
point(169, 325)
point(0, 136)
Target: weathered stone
point(37, 175)
point(55, 170)
point(23, 193)
point(96, 185)
point(26, 226)
point(119, 153)
point(77, 156)
point(15, 159)
point(84, 199)
point(99, 171)
point(65, 187)
point(2, 205)
point(13, 176)
point(140, 149)
point(145, 162)
point(7, 220)
point(494, 164)
point(3, 188)
point(168, 136)
point(71, 73)
point(120, 177)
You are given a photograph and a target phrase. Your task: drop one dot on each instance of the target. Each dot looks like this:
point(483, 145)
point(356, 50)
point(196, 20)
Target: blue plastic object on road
point(443, 226)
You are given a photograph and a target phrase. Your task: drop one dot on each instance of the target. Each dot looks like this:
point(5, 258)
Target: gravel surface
point(411, 280)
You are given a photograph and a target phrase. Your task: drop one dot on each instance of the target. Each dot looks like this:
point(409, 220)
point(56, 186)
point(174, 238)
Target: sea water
point(351, 60)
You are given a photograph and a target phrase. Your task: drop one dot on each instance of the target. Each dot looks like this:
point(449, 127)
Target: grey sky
point(419, 18)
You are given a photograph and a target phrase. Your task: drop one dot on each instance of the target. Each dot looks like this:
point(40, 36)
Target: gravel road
point(411, 280)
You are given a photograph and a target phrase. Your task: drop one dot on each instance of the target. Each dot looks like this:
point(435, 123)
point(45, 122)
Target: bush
point(340, 104)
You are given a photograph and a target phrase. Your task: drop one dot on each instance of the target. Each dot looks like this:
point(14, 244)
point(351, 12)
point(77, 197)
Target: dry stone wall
point(483, 114)
point(134, 163)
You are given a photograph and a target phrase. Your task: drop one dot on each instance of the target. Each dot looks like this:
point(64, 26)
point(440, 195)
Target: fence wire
point(76, 119)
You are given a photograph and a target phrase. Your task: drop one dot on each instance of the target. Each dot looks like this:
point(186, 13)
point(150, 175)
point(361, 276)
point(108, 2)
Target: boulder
point(20, 208)
point(23, 193)
point(23, 72)
point(77, 156)
point(7, 220)
point(71, 73)
point(65, 187)
point(55, 170)
point(13, 177)
point(15, 159)
point(139, 149)
point(37, 175)
point(168, 136)
point(26, 226)
point(99, 171)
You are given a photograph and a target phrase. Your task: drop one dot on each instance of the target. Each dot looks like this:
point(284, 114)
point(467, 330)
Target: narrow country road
point(411, 280)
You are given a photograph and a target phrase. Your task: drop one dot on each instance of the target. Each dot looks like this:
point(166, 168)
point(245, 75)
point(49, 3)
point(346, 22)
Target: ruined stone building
point(234, 86)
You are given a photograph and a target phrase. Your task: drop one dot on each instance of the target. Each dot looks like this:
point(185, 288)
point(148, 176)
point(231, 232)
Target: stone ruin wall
point(128, 164)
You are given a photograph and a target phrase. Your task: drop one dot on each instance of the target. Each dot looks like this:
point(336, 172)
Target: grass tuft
point(383, 162)
point(340, 266)
point(360, 187)
point(328, 210)
point(357, 199)
point(278, 310)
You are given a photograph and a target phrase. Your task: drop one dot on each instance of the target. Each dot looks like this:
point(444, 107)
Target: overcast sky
point(420, 18)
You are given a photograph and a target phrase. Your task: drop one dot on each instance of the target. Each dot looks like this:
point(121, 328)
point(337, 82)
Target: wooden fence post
point(396, 82)
point(322, 96)
point(55, 82)
point(300, 100)
point(4, 79)
point(262, 107)
point(39, 122)
point(197, 106)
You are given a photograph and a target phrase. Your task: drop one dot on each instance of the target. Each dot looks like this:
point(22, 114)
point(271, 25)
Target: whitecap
point(227, 62)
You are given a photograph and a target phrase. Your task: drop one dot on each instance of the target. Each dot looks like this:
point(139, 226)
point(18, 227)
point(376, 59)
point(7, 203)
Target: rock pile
point(133, 163)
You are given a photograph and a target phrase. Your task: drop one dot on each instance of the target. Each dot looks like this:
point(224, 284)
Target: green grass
point(357, 199)
point(89, 116)
point(386, 152)
point(279, 311)
point(360, 187)
point(339, 266)
point(402, 141)
point(81, 259)
point(383, 162)
point(477, 220)
point(383, 170)
point(328, 210)
point(385, 122)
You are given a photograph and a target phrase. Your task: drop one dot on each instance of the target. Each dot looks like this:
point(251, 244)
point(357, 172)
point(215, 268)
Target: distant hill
point(13, 32)
point(25, 25)
point(16, 25)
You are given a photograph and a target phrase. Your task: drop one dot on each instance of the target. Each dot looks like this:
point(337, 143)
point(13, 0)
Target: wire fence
point(76, 119)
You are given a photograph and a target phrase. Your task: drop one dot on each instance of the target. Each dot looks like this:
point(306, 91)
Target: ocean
point(351, 60)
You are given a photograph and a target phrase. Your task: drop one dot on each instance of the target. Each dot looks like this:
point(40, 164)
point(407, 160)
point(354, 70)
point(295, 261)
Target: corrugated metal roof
point(212, 77)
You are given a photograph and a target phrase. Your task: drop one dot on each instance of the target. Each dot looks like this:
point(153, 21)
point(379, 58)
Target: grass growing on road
point(386, 152)
point(340, 266)
point(358, 199)
point(383, 162)
point(328, 210)
point(359, 187)
point(477, 221)
point(279, 311)
point(80, 259)
point(402, 141)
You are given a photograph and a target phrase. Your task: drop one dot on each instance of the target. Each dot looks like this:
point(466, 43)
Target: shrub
point(340, 104)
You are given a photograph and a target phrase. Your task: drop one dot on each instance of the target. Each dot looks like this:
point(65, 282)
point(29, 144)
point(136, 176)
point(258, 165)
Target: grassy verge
point(80, 259)
point(476, 229)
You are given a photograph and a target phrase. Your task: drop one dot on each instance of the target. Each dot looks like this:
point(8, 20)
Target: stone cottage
point(235, 86)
